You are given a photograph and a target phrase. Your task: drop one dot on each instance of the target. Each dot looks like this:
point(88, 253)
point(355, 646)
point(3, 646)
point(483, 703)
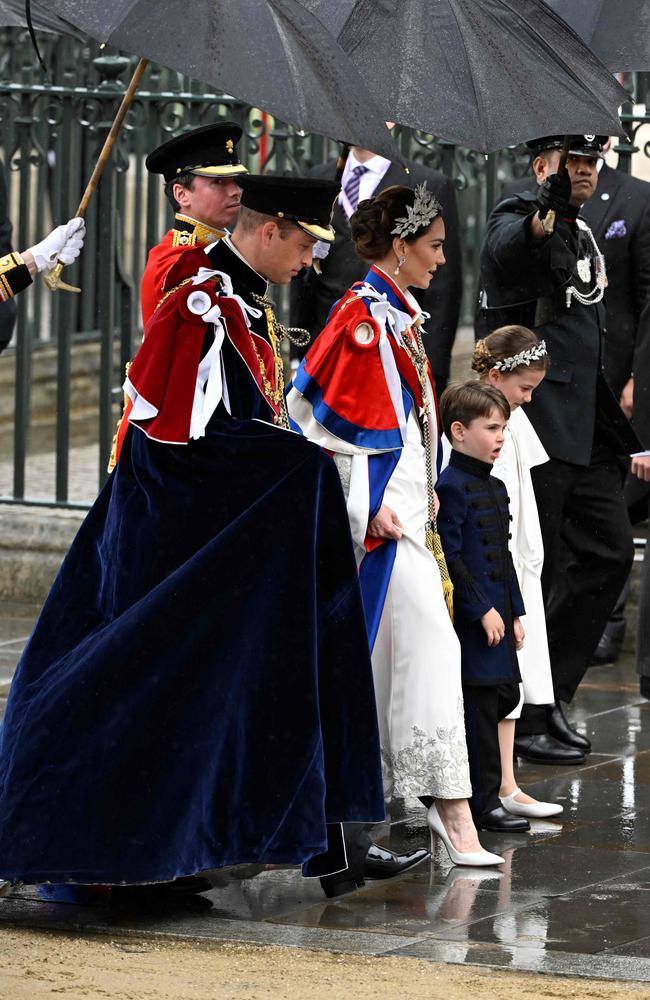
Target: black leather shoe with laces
point(541, 748)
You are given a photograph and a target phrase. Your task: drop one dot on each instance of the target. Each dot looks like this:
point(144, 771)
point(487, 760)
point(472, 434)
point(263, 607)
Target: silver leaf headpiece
point(523, 358)
point(420, 214)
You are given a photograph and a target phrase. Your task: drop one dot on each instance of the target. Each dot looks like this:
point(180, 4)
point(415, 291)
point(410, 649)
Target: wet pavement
point(572, 898)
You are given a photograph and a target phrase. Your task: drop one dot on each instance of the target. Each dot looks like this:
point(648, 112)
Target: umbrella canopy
point(273, 54)
point(12, 15)
point(618, 31)
point(479, 73)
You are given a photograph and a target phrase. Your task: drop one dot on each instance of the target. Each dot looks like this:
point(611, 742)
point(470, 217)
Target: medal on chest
point(584, 270)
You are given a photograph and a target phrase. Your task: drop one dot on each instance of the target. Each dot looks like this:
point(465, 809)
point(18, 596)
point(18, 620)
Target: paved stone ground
point(573, 896)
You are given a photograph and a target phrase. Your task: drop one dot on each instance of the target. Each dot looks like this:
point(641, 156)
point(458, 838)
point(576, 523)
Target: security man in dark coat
point(313, 294)
point(541, 267)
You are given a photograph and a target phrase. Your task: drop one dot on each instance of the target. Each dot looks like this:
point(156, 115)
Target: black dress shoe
point(559, 727)
point(644, 687)
point(501, 821)
point(341, 883)
point(382, 863)
point(541, 748)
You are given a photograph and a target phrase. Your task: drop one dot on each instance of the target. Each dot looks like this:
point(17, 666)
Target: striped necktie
point(353, 185)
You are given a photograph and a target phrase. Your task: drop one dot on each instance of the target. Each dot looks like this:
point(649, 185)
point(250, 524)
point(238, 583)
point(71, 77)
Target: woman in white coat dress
point(364, 391)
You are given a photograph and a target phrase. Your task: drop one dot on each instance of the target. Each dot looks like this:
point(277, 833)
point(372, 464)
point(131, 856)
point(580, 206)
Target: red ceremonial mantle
point(165, 368)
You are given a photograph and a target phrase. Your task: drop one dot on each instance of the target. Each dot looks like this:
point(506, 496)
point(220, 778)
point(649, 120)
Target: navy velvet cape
point(197, 691)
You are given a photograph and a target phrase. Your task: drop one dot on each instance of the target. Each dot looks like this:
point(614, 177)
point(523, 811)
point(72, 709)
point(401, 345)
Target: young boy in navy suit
point(473, 522)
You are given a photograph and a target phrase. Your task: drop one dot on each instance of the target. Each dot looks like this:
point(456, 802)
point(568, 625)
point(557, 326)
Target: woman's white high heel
point(475, 859)
point(531, 810)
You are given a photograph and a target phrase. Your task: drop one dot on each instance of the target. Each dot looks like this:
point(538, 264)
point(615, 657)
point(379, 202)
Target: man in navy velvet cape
point(197, 691)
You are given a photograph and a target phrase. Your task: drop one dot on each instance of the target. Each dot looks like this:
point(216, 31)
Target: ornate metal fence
point(68, 353)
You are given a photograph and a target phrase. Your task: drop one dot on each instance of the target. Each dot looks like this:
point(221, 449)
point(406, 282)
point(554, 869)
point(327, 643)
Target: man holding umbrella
point(541, 267)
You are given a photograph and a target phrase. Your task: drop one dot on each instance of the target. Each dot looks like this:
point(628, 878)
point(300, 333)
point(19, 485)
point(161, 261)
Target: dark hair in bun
point(374, 220)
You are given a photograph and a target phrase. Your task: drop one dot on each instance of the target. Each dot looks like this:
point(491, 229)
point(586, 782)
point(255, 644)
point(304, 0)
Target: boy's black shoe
point(501, 821)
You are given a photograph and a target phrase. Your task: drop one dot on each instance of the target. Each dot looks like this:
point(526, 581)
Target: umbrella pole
point(561, 169)
point(53, 278)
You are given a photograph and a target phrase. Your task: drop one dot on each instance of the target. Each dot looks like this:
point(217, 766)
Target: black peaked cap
point(209, 151)
point(581, 145)
point(307, 201)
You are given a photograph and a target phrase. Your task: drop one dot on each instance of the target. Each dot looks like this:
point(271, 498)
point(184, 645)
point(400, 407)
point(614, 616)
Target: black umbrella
point(12, 15)
point(479, 73)
point(273, 54)
point(618, 31)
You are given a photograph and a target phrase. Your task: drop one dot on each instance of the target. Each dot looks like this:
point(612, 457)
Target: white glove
point(64, 243)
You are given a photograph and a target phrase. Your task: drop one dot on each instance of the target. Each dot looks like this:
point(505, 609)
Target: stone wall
point(33, 542)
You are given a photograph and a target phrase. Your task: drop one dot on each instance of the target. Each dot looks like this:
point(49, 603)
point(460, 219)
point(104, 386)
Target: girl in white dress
point(364, 392)
point(515, 361)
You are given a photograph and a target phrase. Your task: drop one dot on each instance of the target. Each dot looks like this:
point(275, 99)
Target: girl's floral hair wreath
point(523, 358)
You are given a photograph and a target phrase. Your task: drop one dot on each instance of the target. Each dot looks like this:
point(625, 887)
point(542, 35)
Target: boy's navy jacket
point(473, 522)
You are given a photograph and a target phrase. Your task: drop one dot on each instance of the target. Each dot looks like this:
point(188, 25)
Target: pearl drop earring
point(400, 260)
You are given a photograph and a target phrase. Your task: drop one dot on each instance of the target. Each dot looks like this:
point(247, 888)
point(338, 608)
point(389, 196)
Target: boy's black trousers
point(485, 706)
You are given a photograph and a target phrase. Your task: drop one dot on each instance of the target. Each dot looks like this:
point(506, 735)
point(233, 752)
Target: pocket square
point(616, 230)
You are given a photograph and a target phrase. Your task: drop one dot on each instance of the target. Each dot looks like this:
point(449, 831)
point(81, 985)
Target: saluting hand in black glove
point(554, 194)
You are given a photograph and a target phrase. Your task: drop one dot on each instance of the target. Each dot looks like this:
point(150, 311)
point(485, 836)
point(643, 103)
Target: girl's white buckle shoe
point(532, 810)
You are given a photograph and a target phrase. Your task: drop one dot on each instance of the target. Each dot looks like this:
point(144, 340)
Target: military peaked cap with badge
point(209, 151)
point(304, 200)
point(581, 145)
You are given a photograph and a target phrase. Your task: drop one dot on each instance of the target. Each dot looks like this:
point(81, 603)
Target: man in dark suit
point(313, 295)
point(541, 268)
point(619, 217)
point(638, 488)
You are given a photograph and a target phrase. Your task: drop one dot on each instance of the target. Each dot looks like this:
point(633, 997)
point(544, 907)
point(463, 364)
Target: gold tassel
point(112, 462)
point(434, 544)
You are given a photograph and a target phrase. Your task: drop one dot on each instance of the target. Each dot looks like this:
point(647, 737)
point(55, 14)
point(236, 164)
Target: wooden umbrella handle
point(111, 138)
point(53, 278)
